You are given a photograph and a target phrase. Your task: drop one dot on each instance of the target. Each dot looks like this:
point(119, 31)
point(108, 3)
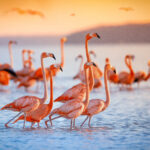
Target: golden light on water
point(66, 16)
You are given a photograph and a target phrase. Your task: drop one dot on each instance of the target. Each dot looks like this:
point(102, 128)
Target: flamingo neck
point(87, 52)
point(62, 53)
point(45, 83)
point(107, 102)
point(11, 56)
point(51, 91)
point(86, 102)
point(129, 65)
point(91, 78)
point(23, 59)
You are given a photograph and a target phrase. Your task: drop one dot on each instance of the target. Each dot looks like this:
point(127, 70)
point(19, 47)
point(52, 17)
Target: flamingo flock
point(76, 100)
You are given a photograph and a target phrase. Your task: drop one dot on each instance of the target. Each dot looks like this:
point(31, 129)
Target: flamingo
point(80, 73)
point(74, 108)
point(2, 66)
point(62, 41)
point(44, 109)
point(79, 91)
point(126, 78)
point(97, 105)
point(112, 77)
point(26, 104)
point(96, 71)
point(142, 76)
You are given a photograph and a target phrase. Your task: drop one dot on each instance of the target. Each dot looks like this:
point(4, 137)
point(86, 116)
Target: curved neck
point(87, 52)
point(91, 78)
point(62, 53)
point(11, 56)
point(107, 102)
point(129, 65)
point(86, 102)
point(51, 91)
point(45, 82)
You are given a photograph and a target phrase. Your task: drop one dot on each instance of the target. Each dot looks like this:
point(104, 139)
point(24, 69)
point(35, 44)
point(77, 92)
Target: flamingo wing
point(76, 92)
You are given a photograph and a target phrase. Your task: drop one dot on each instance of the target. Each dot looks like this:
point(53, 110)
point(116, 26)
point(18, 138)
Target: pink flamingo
point(62, 41)
point(97, 105)
point(79, 91)
point(126, 78)
point(28, 104)
point(74, 108)
point(44, 109)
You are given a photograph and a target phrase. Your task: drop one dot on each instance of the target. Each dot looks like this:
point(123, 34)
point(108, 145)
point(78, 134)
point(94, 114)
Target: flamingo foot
point(6, 125)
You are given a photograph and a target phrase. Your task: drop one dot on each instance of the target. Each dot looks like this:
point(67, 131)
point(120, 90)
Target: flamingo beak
point(61, 69)
point(54, 56)
point(94, 64)
point(97, 36)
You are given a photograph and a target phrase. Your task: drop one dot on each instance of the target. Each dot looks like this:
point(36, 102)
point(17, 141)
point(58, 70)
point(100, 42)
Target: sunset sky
point(67, 16)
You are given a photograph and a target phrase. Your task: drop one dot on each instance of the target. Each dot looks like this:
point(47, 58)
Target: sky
point(63, 17)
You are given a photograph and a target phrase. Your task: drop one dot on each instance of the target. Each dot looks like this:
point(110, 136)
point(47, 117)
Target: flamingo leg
point(74, 123)
point(89, 124)
point(32, 124)
point(84, 121)
point(38, 124)
point(71, 124)
point(24, 120)
point(6, 124)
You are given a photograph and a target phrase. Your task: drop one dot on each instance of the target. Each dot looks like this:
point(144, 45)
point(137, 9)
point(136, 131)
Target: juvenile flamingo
point(28, 104)
point(74, 108)
point(44, 109)
point(126, 78)
point(97, 105)
point(79, 91)
point(62, 41)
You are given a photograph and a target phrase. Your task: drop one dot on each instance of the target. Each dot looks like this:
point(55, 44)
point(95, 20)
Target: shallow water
point(125, 124)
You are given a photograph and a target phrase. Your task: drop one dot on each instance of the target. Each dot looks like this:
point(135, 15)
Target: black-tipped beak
point(94, 64)
point(61, 69)
point(11, 71)
point(98, 36)
point(54, 56)
point(114, 71)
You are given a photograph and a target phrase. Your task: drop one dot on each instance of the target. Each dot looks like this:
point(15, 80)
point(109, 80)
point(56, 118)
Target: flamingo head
point(93, 53)
point(24, 51)
point(90, 36)
point(107, 60)
point(109, 67)
point(64, 39)
point(12, 42)
point(30, 51)
point(79, 56)
point(56, 66)
point(88, 64)
point(45, 55)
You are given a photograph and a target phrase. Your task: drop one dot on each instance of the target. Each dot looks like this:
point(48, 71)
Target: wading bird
point(44, 109)
point(74, 108)
point(97, 105)
point(79, 91)
point(126, 78)
point(28, 104)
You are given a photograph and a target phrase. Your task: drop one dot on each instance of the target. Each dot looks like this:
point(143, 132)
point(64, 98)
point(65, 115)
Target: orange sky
point(58, 19)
